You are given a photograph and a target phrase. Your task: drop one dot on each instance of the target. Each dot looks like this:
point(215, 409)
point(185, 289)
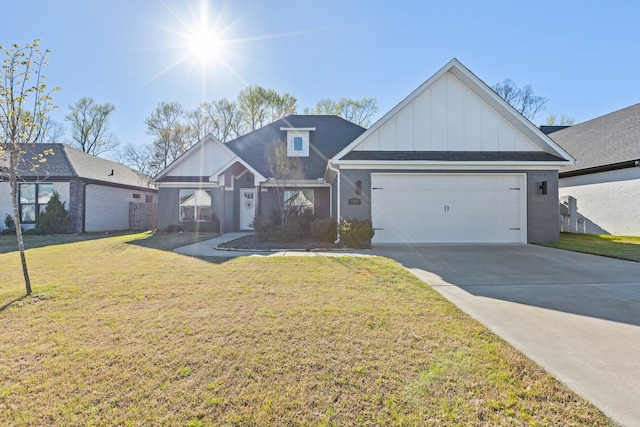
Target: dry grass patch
point(127, 335)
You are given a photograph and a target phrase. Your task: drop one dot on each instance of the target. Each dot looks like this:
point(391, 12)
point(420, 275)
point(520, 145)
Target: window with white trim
point(195, 205)
point(298, 143)
point(33, 200)
point(299, 202)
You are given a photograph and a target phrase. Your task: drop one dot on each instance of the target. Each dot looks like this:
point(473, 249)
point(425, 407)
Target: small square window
point(297, 143)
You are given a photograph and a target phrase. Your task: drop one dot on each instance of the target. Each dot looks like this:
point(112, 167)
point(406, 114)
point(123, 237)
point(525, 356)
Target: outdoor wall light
point(543, 187)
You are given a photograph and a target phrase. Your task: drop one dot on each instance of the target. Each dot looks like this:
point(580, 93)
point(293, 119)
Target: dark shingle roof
point(332, 134)
point(609, 139)
point(454, 156)
point(546, 129)
point(64, 162)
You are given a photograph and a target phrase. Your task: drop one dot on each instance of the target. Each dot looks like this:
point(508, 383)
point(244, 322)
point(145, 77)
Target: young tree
point(89, 126)
point(358, 111)
point(287, 171)
point(524, 100)
point(25, 102)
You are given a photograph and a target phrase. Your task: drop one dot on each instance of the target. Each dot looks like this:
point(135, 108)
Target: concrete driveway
point(576, 315)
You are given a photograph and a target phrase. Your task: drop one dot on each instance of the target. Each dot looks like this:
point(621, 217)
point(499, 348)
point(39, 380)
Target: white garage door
point(448, 208)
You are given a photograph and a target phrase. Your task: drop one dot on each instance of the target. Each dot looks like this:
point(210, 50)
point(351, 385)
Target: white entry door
point(449, 208)
point(247, 207)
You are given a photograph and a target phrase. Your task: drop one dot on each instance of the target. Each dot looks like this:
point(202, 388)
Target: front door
point(247, 207)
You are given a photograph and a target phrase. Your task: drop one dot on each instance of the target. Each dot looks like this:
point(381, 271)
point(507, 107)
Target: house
point(231, 183)
point(97, 192)
point(451, 163)
point(599, 194)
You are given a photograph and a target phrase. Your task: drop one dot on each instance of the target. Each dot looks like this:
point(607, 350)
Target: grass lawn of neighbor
point(121, 331)
point(623, 247)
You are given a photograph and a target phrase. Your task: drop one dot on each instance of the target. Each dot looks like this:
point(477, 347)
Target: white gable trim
point(184, 156)
point(477, 86)
point(257, 177)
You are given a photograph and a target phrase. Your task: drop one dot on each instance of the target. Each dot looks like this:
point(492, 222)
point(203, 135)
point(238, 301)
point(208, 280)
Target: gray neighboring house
point(599, 194)
point(451, 163)
point(97, 192)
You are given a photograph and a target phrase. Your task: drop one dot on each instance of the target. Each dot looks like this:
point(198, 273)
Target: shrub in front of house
point(324, 229)
point(55, 217)
point(9, 222)
point(356, 233)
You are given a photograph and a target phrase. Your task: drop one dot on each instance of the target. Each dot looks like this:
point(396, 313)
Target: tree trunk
point(16, 218)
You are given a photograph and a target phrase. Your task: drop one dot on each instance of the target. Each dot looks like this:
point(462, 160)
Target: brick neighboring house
point(451, 163)
point(599, 194)
point(96, 191)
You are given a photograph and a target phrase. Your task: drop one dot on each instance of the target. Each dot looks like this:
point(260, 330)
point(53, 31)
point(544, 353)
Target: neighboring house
point(600, 192)
point(452, 163)
point(97, 192)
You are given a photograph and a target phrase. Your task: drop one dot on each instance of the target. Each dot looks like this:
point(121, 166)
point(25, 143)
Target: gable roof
point(524, 135)
point(606, 140)
point(63, 162)
point(331, 134)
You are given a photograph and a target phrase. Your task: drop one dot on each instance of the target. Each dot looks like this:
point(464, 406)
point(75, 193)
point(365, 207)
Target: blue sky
point(581, 55)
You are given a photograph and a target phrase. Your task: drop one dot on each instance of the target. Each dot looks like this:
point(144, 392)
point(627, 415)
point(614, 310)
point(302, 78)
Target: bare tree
point(524, 99)
point(221, 118)
point(89, 126)
point(358, 111)
point(288, 171)
point(25, 102)
point(171, 136)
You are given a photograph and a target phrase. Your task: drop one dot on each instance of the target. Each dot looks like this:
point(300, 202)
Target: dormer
point(298, 141)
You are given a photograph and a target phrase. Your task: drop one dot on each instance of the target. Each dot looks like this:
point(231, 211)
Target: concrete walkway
point(576, 315)
point(207, 249)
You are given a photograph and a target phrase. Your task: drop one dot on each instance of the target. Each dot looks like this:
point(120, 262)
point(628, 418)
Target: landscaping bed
point(252, 242)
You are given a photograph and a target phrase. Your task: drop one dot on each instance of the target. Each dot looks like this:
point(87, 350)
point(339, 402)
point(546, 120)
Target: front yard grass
point(622, 247)
point(121, 334)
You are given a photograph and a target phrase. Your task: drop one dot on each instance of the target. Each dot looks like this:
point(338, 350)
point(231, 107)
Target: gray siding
point(542, 210)
point(169, 201)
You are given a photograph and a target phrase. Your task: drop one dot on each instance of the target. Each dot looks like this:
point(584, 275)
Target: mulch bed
point(254, 242)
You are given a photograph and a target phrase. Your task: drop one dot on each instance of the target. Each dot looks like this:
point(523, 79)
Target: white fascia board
point(295, 183)
point(187, 184)
point(415, 164)
point(257, 177)
point(186, 155)
point(300, 129)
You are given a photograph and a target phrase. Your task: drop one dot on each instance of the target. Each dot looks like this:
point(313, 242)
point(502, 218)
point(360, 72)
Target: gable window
point(195, 205)
point(298, 141)
point(299, 202)
point(33, 200)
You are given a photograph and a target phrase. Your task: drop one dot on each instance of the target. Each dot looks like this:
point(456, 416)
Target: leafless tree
point(89, 126)
point(25, 102)
point(524, 99)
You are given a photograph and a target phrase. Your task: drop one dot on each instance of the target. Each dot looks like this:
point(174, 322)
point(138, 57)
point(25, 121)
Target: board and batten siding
point(208, 158)
point(447, 116)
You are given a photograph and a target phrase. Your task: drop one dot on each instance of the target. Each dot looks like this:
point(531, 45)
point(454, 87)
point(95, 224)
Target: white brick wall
point(107, 208)
point(607, 202)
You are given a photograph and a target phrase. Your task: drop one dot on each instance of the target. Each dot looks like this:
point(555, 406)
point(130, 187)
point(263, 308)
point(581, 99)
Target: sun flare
point(205, 45)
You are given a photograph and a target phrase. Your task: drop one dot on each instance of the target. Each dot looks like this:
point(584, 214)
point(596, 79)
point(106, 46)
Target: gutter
point(337, 171)
point(603, 168)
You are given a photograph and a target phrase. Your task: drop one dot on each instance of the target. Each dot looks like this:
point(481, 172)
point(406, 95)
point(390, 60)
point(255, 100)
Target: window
point(195, 205)
point(297, 143)
point(136, 196)
point(299, 201)
point(33, 200)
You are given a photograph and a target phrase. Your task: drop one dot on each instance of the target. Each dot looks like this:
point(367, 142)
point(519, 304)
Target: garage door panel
point(463, 208)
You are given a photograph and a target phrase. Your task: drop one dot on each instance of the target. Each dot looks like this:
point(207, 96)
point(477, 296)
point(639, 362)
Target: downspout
point(84, 206)
point(337, 171)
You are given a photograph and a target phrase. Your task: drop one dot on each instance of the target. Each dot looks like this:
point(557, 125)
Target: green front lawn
point(623, 247)
point(122, 334)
